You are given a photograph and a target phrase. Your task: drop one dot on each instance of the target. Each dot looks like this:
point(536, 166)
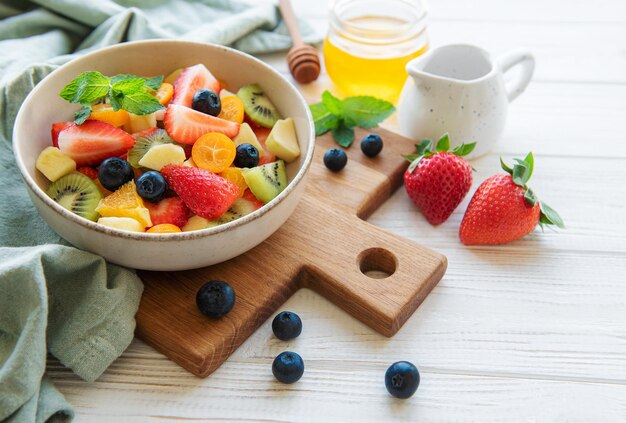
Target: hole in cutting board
point(377, 263)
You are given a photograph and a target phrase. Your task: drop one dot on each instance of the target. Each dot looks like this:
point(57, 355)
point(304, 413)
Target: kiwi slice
point(238, 209)
point(266, 181)
point(77, 193)
point(143, 143)
point(258, 106)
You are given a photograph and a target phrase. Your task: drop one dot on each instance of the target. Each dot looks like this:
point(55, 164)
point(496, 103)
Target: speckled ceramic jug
point(460, 90)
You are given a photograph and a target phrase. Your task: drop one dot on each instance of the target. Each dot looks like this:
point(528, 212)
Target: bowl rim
point(177, 236)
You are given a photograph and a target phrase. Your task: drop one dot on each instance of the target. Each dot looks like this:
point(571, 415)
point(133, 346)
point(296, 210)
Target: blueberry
point(402, 379)
point(115, 172)
point(288, 367)
point(247, 156)
point(207, 102)
point(371, 145)
point(287, 325)
point(335, 159)
point(151, 186)
point(215, 298)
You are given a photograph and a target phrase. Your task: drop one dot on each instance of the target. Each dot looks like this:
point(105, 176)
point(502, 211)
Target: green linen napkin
point(54, 297)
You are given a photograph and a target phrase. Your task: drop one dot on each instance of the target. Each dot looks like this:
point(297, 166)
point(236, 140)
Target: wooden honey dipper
point(303, 59)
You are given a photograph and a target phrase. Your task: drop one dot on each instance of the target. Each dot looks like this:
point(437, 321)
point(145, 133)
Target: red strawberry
point(438, 181)
point(205, 193)
point(93, 141)
point(504, 209)
point(191, 80)
point(56, 128)
point(88, 171)
point(186, 125)
point(169, 210)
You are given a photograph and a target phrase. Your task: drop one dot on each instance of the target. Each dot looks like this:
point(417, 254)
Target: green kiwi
point(257, 106)
point(143, 143)
point(238, 209)
point(266, 181)
point(78, 194)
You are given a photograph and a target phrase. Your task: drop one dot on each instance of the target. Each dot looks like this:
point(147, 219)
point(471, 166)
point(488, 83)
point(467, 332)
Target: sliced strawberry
point(169, 210)
point(186, 125)
point(206, 194)
point(256, 203)
point(93, 141)
point(189, 81)
point(88, 171)
point(56, 128)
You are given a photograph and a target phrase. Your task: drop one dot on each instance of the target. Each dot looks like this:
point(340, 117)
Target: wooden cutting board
point(325, 246)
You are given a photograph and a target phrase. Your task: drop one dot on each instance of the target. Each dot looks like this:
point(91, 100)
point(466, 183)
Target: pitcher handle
point(526, 60)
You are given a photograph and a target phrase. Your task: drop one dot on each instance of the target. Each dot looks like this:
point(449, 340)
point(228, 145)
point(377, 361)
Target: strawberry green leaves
point(520, 173)
point(425, 149)
point(127, 92)
point(342, 116)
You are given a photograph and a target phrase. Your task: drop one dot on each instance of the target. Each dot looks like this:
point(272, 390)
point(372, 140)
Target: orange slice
point(234, 175)
point(164, 228)
point(169, 79)
point(125, 202)
point(214, 152)
point(232, 109)
point(164, 93)
point(105, 113)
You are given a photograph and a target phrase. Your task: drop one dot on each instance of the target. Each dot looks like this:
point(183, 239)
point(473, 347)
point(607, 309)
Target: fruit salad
point(166, 155)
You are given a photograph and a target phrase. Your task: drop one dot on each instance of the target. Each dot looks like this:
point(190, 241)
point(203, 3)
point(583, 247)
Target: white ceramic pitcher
point(459, 89)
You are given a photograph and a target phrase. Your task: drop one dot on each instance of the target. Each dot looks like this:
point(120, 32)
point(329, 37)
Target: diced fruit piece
point(234, 175)
point(252, 199)
point(76, 193)
point(115, 172)
point(197, 223)
point(164, 93)
point(88, 171)
point(170, 210)
point(257, 106)
point(138, 123)
point(225, 93)
point(123, 223)
point(189, 162)
point(151, 186)
point(191, 80)
point(125, 202)
point(215, 298)
point(282, 141)
point(232, 109)
point(186, 125)
point(214, 152)
point(54, 164)
point(144, 141)
point(104, 113)
point(335, 159)
point(206, 194)
point(93, 141)
point(171, 78)
point(159, 115)
point(164, 228)
point(207, 102)
point(56, 129)
point(266, 181)
point(247, 156)
point(260, 132)
point(240, 208)
point(161, 155)
point(247, 136)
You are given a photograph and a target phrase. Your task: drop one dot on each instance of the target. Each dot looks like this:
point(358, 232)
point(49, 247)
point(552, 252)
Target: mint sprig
point(342, 116)
point(425, 149)
point(128, 92)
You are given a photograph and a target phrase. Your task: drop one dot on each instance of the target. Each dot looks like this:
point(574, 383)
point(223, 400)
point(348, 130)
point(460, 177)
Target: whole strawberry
point(206, 194)
point(437, 181)
point(504, 208)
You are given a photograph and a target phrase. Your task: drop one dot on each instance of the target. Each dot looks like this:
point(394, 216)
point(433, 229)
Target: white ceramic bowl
point(177, 251)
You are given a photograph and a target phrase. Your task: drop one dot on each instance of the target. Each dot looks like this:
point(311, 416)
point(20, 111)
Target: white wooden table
point(531, 331)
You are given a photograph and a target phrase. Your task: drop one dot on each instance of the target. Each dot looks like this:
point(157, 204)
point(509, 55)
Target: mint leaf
point(365, 111)
point(128, 86)
point(154, 83)
point(332, 103)
point(464, 149)
point(140, 103)
point(121, 77)
point(92, 86)
point(344, 135)
point(323, 119)
point(69, 91)
point(444, 143)
point(83, 114)
point(116, 100)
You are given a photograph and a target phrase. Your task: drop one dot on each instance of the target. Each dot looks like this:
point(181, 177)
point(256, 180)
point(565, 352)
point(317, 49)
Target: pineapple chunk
point(247, 136)
point(196, 223)
point(124, 223)
point(282, 140)
point(138, 123)
point(161, 155)
point(225, 93)
point(54, 164)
